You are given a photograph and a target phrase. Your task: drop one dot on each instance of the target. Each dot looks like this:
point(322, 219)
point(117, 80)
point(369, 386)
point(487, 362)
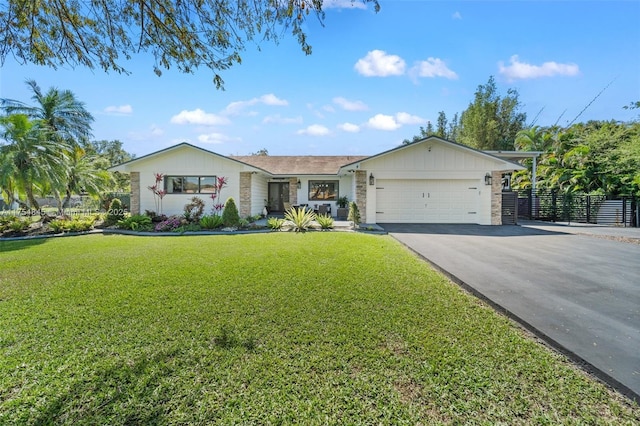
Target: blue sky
point(372, 80)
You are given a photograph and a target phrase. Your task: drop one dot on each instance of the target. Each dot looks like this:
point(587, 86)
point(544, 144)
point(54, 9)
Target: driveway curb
point(583, 364)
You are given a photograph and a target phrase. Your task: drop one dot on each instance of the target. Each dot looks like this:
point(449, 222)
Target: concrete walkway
point(577, 287)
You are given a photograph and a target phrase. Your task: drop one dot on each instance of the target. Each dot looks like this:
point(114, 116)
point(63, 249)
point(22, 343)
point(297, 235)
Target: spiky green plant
point(211, 222)
point(325, 221)
point(275, 223)
point(300, 220)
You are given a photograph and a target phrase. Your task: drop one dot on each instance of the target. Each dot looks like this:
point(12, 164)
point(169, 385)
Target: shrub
point(19, 225)
point(230, 216)
point(275, 223)
point(115, 213)
point(354, 214)
point(136, 222)
point(74, 225)
point(188, 227)
point(211, 222)
point(300, 219)
point(57, 225)
point(6, 221)
point(193, 210)
point(171, 224)
point(79, 225)
point(325, 221)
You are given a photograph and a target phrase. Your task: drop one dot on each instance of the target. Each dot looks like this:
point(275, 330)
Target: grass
point(316, 328)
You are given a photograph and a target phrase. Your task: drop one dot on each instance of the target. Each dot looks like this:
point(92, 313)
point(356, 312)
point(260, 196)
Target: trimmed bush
point(354, 214)
point(115, 213)
point(230, 216)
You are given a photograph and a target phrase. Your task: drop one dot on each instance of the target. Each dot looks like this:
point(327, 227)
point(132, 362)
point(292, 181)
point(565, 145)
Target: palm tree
point(60, 111)
point(58, 122)
point(82, 173)
point(30, 155)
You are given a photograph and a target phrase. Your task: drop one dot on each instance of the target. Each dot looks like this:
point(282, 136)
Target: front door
point(278, 195)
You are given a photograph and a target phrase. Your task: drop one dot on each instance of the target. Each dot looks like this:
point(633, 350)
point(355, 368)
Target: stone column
point(361, 193)
point(135, 193)
point(293, 191)
point(496, 198)
point(245, 194)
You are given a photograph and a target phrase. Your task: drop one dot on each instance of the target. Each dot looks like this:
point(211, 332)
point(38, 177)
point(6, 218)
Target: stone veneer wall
point(496, 198)
point(135, 193)
point(293, 191)
point(361, 192)
point(245, 194)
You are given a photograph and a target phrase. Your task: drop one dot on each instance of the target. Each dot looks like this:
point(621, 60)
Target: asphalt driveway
point(577, 287)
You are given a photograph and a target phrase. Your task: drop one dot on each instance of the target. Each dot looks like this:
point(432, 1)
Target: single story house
point(429, 181)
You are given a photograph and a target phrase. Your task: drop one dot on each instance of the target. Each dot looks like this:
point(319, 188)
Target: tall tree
point(81, 173)
point(491, 122)
point(108, 154)
point(185, 33)
point(64, 115)
point(441, 128)
point(30, 155)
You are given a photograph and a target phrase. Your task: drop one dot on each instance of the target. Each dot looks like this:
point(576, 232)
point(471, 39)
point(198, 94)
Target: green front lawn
point(316, 328)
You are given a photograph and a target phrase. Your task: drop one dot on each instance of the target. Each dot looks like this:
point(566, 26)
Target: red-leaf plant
point(158, 194)
point(221, 182)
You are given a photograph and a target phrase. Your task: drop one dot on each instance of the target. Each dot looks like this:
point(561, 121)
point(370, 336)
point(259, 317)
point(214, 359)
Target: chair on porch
point(324, 209)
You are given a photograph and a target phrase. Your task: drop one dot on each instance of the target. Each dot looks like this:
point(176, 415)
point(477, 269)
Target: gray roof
point(299, 164)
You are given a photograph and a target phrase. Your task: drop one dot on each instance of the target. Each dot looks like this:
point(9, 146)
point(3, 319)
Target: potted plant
point(343, 210)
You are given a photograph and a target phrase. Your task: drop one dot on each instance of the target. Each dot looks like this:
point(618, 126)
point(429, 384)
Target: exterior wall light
point(487, 179)
point(299, 184)
point(372, 180)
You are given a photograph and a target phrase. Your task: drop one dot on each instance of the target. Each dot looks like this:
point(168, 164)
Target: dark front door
point(278, 195)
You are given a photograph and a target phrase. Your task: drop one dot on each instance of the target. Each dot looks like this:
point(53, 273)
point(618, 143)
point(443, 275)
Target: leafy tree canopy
point(184, 33)
point(492, 121)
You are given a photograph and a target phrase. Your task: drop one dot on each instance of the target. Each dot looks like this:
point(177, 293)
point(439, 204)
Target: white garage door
point(427, 201)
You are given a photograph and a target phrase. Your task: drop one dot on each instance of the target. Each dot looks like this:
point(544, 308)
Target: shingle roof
point(299, 165)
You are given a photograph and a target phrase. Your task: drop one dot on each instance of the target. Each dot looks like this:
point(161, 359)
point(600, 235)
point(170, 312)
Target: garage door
point(427, 201)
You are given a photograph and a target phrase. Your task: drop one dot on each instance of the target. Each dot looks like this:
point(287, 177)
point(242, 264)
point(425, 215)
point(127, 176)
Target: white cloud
point(198, 116)
point(277, 119)
point(271, 99)
point(343, 4)
point(378, 63)
point(406, 118)
point(350, 105)
point(153, 132)
point(349, 127)
point(119, 110)
point(216, 138)
point(383, 122)
point(433, 67)
point(521, 70)
point(314, 130)
point(268, 99)
point(456, 15)
point(390, 122)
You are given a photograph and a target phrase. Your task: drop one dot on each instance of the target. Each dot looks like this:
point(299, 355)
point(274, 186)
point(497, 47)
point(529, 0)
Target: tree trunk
point(32, 200)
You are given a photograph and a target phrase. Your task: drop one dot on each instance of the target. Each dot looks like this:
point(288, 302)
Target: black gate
point(578, 207)
point(509, 208)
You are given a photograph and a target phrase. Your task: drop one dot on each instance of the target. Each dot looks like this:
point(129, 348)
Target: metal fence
point(576, 207)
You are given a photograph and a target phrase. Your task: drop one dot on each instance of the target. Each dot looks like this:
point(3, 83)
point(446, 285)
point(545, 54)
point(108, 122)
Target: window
point(190, 184)
point(323, 190)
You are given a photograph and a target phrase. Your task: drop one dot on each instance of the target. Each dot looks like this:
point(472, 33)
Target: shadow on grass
point(130, 392)
point(6, 246)
point(466, 229)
